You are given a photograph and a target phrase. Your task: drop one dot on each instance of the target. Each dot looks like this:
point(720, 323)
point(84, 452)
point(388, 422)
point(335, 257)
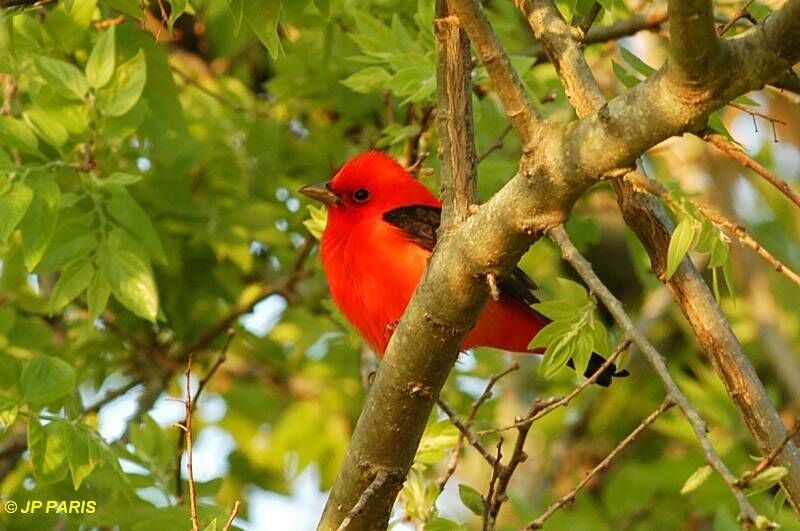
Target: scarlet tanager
point(380, 233)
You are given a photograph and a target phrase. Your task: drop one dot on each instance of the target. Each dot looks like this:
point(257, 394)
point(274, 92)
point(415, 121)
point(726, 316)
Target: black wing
point(420, 223)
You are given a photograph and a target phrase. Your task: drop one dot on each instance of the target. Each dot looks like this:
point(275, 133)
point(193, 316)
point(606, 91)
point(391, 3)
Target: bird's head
point(369, 185)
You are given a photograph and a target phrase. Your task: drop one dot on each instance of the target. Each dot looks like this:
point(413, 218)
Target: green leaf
point(121, 179)
point(637, 64)
point(129, 7)
point(46, 379)
point(125, 210)
point(46, 126)
point(559, 310)
point(369, 79)
point(558, 338)
point(70, 284)
point(443, 524)
point(39, 224)
point(727, 273)
point(125, 88)
point(762, 522)
point(779, 501)
point(437, 440)
point(316, 223)
point(625, 77)
point(582, 350)
point(15, 133)
point(766, 479)
point(716, 123)
point(100, 66)
point(262, 16)
point(131, 282)
point(212, 525)
point(97, 295)
point(8, 411)
point(744, 99)
point(79, 455)
point(177, 8)
point(63, 77)
point(696, 479)
point(13, 205)
point(471, 499)
point(73, 240)
point(679, 244)
point(48, 447)
point(323, 6)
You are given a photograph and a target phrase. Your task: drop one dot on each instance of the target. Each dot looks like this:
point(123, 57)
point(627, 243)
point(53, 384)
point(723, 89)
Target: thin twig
point(557, 402)
point(232, 516)
point(488, 521)
point(751, 112)
point(498, 143)
point(487, 392)
point(219, 97)
point(223, 355)
point(465, 431)
point(571, 254)
point(473, 411)
point(603, 465)
point(110, 396)
point(380, 478)
point(769, 458)
point(735, 18)
point(176, 467)
point(187, 429)
point(585, 25)
point(735, 152)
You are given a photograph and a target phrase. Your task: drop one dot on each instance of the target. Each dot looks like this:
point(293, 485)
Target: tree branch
point(552, 31)
point(624, 28)
point(694, 45)
point(454, 114)
point(509, 87)
point(572, 255)
point(736, 153)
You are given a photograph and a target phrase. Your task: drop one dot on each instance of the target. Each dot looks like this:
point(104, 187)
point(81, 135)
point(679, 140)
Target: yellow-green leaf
point(100, 66)
point(696, 479)
point(13, 205)
point(679, 245)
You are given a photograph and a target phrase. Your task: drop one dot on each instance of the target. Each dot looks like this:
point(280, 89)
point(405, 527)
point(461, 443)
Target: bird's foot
point(389, 329)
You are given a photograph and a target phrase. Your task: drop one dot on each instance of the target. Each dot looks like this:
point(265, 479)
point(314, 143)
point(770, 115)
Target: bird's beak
point(321, 192)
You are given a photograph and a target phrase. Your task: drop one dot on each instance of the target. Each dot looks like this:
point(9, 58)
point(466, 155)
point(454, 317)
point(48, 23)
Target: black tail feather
point(597, 361)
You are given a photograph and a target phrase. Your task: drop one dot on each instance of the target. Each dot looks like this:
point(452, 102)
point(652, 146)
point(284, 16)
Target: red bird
point(376, 209)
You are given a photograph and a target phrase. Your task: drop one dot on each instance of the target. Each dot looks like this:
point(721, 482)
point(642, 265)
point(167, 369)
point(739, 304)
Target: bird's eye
point(360, 195)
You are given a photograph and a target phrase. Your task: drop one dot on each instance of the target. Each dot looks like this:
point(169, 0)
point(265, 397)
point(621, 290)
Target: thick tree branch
point(693, 40)
point(623, 28)
point(509, 87)
point(552, 31)
point(454, 114)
